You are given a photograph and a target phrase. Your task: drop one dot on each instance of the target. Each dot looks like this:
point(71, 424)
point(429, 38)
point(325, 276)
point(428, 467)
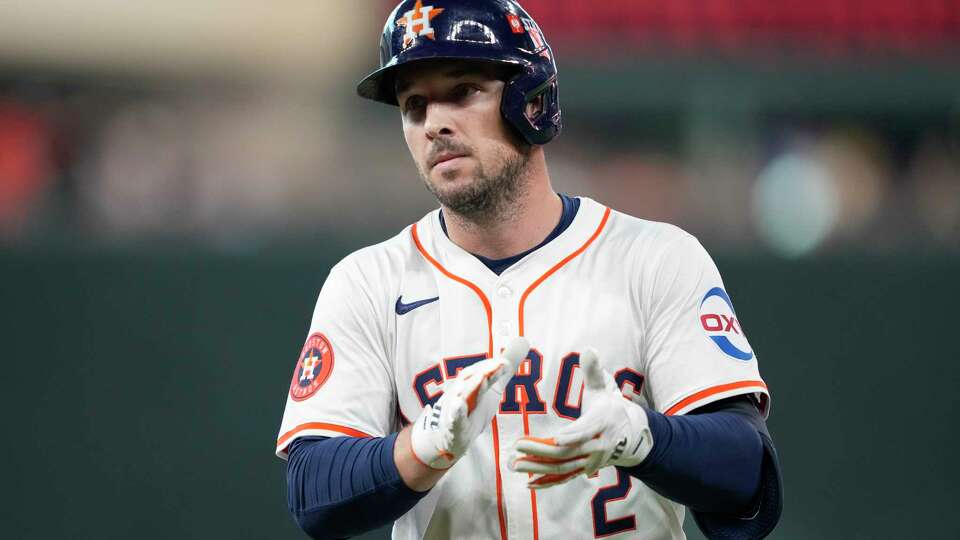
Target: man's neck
point(521, 225)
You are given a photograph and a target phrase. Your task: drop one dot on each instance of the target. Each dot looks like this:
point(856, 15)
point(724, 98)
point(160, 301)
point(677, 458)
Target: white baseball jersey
point(395, 320)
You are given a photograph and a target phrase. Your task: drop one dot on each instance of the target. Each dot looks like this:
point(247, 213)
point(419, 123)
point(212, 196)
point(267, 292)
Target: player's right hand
point(444, 431)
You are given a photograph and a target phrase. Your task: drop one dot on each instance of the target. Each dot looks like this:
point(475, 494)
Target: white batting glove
point(444, 431)
point(611, 430)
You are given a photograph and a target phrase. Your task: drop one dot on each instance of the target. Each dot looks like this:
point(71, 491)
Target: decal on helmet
point(417, 22)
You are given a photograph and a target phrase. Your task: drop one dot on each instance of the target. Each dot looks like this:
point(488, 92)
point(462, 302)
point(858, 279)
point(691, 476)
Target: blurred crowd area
point(126, 158)
point(755, 27)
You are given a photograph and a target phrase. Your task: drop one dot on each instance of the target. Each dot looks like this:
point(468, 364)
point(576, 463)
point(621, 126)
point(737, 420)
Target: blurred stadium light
point(795, 203)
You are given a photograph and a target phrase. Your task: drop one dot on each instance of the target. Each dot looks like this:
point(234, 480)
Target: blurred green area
point(144, 390)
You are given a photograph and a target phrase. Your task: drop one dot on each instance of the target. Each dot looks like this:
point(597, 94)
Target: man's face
point(468, 157)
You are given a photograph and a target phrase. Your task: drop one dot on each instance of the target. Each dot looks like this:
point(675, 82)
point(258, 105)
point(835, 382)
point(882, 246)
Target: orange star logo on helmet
point(417, 22)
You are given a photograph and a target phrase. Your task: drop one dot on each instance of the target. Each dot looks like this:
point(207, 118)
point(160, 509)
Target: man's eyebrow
point(402, 85)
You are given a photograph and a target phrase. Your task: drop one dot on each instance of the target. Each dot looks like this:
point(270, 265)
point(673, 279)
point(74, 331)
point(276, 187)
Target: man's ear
point(534, 108)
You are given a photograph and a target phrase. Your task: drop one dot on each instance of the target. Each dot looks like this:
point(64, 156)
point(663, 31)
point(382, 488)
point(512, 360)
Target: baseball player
point(518, 364)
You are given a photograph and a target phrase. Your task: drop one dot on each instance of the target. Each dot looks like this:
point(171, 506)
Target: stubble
point(493, 194)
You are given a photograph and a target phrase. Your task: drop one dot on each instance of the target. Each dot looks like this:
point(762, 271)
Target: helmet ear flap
point(518, 93)
point(551, 104)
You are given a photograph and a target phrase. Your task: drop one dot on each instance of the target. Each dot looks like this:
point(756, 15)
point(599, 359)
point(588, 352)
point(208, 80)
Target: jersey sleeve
point(695, 349)
point(342, 383)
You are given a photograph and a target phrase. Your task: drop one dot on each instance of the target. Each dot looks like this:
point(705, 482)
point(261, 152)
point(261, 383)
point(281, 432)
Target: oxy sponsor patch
point(720, 323)
point(313, 367)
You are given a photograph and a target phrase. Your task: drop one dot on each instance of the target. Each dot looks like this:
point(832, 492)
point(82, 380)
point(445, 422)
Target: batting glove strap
point(634, 440)
point(429, 440)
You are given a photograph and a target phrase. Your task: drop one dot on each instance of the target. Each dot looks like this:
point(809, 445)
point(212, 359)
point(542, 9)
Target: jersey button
point(504, 292)
point(504, 328)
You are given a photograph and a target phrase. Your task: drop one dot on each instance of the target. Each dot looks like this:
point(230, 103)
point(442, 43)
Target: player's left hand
point(611, 430)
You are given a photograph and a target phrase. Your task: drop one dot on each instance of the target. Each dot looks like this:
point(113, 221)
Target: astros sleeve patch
point(313, 367)
point(341, 383)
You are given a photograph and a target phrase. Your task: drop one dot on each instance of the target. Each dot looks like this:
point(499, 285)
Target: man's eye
point(464, 90)
point(413, 103)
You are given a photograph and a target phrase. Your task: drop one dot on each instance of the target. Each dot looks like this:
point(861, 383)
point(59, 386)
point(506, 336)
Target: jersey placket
point(506, 295)
point(519, 501)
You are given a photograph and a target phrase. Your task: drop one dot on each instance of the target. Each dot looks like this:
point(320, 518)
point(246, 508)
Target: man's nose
point(438, 121)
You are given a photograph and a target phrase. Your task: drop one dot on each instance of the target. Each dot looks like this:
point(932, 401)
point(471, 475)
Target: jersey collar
point(463, 263)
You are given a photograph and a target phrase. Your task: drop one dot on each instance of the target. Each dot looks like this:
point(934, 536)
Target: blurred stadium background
point(176, 178)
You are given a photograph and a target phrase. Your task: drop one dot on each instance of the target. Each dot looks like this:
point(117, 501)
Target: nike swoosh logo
point(403, 309)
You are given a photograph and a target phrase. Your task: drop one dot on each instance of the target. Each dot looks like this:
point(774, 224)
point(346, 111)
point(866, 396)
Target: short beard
point(492, 195)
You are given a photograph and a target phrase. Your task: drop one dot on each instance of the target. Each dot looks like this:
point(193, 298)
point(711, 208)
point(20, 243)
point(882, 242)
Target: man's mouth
point(444, 157)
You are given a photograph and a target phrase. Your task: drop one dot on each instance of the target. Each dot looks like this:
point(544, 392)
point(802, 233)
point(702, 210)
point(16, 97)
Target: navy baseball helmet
point(497, 31)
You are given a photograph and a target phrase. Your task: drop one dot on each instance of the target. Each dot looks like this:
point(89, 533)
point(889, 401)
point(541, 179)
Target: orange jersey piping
point(458, 279)
point(523, 301)
point(350, 432)
point(501, 515)
point(568, 258)
point(712, 391)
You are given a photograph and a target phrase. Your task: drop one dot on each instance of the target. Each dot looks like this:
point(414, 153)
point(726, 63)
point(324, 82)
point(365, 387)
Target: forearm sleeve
point(721, 464)
point(344, 486)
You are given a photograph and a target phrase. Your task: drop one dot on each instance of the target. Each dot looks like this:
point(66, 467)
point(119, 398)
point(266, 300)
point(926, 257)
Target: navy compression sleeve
point(718, 461)
point(345, 486)
point(710, 462)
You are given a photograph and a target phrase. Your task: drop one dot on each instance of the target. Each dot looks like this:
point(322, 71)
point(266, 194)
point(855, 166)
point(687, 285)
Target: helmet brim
point(380, 85)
